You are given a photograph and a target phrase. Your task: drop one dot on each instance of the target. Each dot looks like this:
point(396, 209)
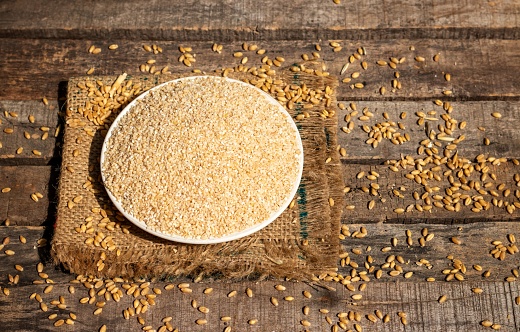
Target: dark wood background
point(43, 44)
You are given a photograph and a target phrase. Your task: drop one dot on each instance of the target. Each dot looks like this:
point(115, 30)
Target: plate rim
point(228, 237)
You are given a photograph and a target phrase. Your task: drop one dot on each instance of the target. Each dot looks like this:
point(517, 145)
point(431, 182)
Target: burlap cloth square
point(92, 238)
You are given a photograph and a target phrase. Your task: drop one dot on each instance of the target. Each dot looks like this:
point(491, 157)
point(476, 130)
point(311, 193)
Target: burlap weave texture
point(301, 242)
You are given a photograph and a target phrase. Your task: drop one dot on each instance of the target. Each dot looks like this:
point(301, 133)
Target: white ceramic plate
point(234, 236)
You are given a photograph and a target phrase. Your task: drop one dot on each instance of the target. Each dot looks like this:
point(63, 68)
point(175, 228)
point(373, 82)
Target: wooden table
point(43, 44)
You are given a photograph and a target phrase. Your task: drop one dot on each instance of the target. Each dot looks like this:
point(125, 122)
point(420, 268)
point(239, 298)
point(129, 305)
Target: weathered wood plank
point(396, 191)
point(27, 255)
point(463, 310)
point(477, 66)
point(502, 134)
point(229, 20)
point(504, 143)
point(475, 247)
point(17, 205)
point(44, 116)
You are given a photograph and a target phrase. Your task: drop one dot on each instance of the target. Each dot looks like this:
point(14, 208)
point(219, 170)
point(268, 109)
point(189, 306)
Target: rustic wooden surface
point(17, 204)
point(44, 44)
point(44, 116)
point(481, 69)
point(463, 309)
point(386, 200)
point(501, 132)
point(230, 20)
point(460, 312)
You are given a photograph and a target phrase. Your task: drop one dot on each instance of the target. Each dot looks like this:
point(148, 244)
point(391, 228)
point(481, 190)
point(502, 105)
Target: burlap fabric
point(301, 242)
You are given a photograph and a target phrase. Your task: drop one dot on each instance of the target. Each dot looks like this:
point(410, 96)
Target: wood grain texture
point(476, 245)
point(480, 69)
point(44, 116)
point(43, 44)
point(231, 20)
point(502, 133)
point(386, 200)
point(463, 310)
point(27, 255)
point(17, 205)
